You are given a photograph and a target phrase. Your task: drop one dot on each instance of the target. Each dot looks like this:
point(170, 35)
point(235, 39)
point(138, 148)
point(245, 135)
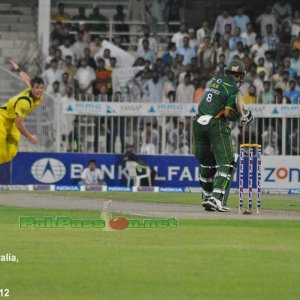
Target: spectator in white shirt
point(78, 47)
point(84, 78)
point(169, 86)
point(68, 94)
point(66, 82)
point(148, 148)
point(55, 91)
point(52, 74)
point(185, 91)
point(266, 18)
point(221, 21)
point(192, 38)
point(66, 121)
point(203, 32)
point(92, 175)
point(152, 40)
point(295, 25)
point(177, 38)
point(259, 82)
point(239, 51)
point(149, 139)
point(66, 49)
point(258, 49)
point(249, 35)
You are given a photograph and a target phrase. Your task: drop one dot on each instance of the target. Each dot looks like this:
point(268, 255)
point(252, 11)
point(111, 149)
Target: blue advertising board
point(278, 172)
point(66, 168)
point(5, 173)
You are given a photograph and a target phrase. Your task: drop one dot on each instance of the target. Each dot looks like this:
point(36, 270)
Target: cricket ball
point(118, 223)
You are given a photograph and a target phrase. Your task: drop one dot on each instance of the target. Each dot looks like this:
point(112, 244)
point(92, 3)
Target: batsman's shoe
point(207, 206)
point(217, 204)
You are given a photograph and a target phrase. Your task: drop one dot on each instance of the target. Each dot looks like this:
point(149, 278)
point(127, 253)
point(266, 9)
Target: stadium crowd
point(269, 46)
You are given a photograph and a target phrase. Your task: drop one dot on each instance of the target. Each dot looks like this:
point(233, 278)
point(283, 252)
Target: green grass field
point(201, 259)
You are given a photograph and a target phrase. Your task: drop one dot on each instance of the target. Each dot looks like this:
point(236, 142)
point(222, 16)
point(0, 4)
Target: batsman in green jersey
point(221, 102)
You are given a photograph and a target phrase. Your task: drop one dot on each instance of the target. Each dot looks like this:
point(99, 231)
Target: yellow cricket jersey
point(20, 105)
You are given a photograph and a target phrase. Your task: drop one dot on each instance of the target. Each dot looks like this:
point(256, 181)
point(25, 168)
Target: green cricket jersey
point(220, 93)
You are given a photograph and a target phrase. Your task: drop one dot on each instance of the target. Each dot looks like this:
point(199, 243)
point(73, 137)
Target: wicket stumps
point(251, 154)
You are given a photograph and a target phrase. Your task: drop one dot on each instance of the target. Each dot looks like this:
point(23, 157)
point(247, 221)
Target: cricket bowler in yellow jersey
point(13, 113)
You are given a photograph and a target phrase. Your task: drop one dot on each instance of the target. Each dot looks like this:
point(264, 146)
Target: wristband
point(19, 70)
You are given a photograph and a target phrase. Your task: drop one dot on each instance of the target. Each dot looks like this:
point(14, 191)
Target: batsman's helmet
point(236, 69)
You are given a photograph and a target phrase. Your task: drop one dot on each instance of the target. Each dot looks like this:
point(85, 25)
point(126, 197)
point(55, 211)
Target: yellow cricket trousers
point(9, 139)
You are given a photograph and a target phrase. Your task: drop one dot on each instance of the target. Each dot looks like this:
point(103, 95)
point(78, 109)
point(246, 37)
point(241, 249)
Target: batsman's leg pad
point(233, 170)
point(207, 176)
point(222, 180)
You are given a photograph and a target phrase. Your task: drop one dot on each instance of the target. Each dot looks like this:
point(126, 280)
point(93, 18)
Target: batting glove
point(246, 118)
